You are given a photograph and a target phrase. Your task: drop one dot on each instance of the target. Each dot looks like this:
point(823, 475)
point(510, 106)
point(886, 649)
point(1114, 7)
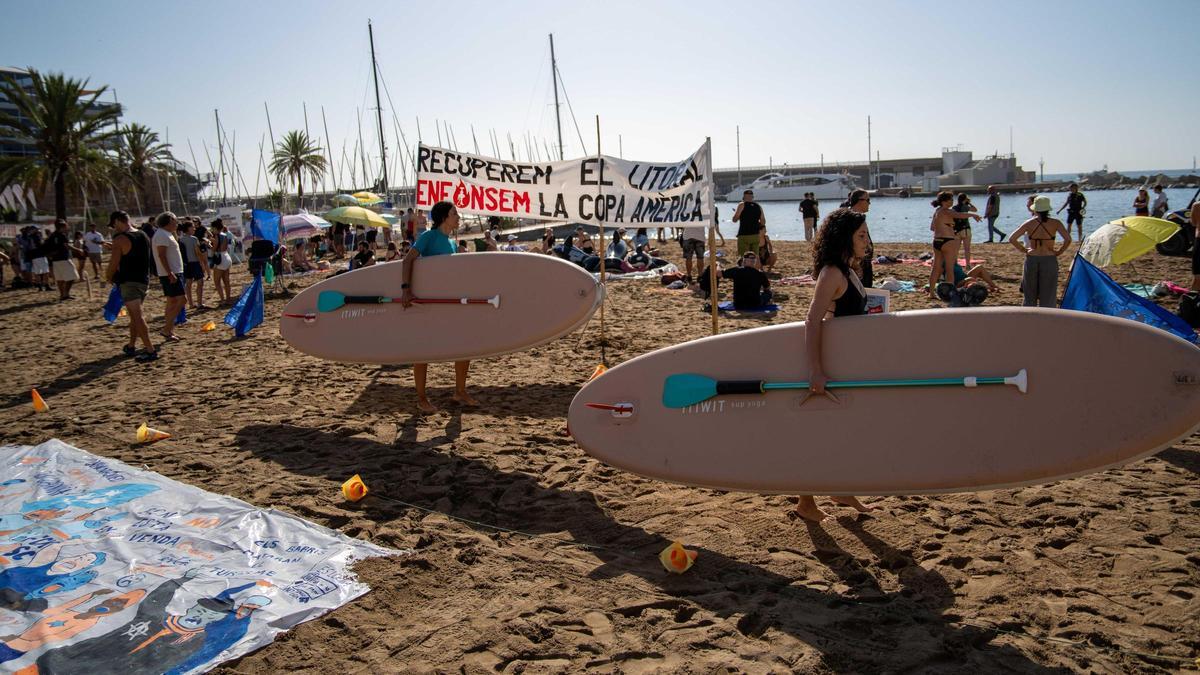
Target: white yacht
point(780, 187)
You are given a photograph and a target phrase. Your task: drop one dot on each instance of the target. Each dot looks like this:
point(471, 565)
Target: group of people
point(38, 258)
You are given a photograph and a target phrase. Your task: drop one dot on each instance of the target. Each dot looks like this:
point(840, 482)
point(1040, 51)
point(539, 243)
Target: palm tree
point(295, 156)
point(66, 129)
point(142, 150)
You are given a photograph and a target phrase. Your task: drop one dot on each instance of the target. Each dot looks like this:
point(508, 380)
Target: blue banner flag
point(1091, 290)
point(265, 225)
point(247, 313)
point(112, 308)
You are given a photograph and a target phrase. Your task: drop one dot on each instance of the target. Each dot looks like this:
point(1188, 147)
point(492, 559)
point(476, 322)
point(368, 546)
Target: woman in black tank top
point(841, 242)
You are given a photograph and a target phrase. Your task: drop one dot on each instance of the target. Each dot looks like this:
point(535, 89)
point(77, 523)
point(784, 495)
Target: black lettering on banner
point(560, 206)
point(585, 171)
point(585, 202)
point(620, 215)
point(423, 156)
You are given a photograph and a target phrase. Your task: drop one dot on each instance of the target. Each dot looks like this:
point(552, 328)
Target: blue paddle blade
point(328, 301)
point(682, 390)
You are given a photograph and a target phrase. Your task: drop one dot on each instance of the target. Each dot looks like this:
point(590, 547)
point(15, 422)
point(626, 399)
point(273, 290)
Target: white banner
point(593, 190)
point(231, 218)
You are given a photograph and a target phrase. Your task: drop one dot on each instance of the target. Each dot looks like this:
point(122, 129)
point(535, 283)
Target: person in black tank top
point(129, 272)
point(840, 244)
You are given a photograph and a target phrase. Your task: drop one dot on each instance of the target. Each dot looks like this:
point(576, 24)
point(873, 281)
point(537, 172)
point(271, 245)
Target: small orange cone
point(211, 325)
point(354, 489)
point(600, 370)
point(123, 312)
point(676, 558)
point(39, 403)
point(147, 434)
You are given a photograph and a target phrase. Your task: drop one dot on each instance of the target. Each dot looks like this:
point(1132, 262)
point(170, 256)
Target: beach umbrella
point(344, 200)
point(367, 198)
point(303, 225)
point(356, 215)
point(1123, 240)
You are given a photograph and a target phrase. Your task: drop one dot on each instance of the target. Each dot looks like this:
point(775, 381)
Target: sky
point(1079, 84)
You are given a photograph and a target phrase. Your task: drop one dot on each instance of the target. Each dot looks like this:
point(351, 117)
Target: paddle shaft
point(727, 387)
point(379, 300)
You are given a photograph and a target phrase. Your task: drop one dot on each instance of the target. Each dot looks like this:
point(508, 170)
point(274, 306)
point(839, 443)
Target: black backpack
point(1189, 308)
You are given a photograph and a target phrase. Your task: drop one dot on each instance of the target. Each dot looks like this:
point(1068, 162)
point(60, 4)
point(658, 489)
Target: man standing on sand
point(992, 211)
point(750, 219)
point(129, 270)
point(94, 242)
point(809, 212)
point(1076, 206)
point(58, 248)
point(691, 240)
point(1195, 218)
point(168, 261)
point(1159, 209)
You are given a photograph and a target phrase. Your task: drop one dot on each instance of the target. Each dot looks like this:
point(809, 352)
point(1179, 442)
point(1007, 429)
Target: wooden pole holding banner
point(603, 250)
point(712, 242)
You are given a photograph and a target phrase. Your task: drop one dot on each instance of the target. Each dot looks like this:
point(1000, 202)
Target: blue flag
point(265, 225)
point(1091, 290)
point(247, 313)
point(112, 308)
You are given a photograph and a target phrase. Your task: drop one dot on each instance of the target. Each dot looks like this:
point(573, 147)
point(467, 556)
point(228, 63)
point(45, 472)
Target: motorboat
point(792, 187)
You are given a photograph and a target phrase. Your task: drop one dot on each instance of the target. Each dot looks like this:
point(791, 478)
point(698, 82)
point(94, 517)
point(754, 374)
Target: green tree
point(68, 133)
point(295, 156)
point(141, 150)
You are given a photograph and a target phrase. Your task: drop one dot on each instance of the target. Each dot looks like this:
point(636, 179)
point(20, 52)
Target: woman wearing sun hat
point(1039, 281)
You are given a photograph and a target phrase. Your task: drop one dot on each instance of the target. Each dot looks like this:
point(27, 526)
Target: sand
point(1095, 574)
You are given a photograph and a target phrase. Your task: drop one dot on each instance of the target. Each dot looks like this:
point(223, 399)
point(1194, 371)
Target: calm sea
point(900, 220)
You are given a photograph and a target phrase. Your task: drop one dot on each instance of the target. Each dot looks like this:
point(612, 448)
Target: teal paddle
point(680, 391)
point(329, 301)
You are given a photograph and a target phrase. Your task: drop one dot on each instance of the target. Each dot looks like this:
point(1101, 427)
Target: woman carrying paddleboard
point(434, 241)
point(1039, 281)
point(841, 244)
point(945, 238)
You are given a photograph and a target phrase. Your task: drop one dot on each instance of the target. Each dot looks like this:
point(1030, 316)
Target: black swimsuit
point(852, 301)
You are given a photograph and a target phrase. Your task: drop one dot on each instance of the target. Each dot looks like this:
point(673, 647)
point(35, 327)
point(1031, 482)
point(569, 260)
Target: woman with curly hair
point(839, 248)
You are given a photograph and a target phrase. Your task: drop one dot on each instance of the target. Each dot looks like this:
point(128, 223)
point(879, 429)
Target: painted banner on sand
point(105, 568)
point(589, 190)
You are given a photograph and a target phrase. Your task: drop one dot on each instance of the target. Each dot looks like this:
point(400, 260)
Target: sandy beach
point(529, 556)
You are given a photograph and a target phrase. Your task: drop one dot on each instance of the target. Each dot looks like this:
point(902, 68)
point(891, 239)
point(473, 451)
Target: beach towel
point(1142, 290)
point(727, 306)
point(144, 551)
point(802, 280)
point(669, 268)
point(961, 261)
point(898, 286)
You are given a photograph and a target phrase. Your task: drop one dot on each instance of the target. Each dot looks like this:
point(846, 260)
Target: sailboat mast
point(220, 156)
point(378, 110)
point(554, 78)
point(328, 150)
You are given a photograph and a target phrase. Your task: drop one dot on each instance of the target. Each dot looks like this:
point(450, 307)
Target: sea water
point(893, 219)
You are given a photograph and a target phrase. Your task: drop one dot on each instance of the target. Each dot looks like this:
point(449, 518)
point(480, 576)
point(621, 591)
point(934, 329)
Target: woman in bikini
point(1039, 282)
point(1141, 203)
point(945, 240)
point(584, 242)
point(840, 245)
point(962, 225)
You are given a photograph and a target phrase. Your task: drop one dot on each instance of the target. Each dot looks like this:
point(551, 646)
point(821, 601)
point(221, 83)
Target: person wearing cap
point(1039, 282)
point(512, 244)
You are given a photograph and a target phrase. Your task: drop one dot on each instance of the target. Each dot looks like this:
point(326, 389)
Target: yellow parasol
point(1123, 240)
point(356, 215)
point(367, 198)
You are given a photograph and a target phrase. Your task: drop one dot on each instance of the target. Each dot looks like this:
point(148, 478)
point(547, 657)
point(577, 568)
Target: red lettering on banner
point(472, 197)
point(520, 199)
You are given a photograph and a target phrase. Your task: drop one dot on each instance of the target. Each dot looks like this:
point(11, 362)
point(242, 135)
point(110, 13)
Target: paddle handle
point(727, 387)
point(1020, 381)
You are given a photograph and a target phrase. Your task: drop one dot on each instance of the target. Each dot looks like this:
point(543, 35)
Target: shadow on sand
point(868, 630)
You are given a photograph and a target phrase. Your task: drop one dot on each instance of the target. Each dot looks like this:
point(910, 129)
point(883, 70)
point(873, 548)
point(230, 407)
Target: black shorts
point(1196, 258)
point(171, 290)
point(193, 271)
point(1073, 217)
point(692, 248)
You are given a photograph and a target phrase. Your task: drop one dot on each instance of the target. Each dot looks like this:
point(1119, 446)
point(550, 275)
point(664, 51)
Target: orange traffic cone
point(39, 403)
point(147, 434)
point(123, 312)
point(211, 325)
point(676, 558)
point(598, 372)
point(354, 489)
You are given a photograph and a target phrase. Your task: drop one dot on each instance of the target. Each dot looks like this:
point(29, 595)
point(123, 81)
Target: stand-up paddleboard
point(949, 400)
point(468, 306)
